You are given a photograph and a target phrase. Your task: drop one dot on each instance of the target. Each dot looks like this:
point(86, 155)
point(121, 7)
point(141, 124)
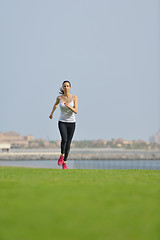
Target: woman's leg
point(63, 131)
point(70, 132)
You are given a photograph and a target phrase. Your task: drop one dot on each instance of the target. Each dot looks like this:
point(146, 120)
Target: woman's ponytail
point(61, 91)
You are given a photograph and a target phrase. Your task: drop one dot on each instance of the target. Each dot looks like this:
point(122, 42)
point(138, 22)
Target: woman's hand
point(51, 116)
point(75, 108)
point(66, 104)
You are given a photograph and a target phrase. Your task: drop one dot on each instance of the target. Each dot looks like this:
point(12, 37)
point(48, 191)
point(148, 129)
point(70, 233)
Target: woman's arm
point(54, 107)
point(75, 108)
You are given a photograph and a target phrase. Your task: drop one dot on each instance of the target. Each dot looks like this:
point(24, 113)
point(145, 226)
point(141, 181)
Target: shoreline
point(126, 155)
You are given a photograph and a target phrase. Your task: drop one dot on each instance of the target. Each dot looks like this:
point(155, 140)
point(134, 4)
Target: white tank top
point(66, 114)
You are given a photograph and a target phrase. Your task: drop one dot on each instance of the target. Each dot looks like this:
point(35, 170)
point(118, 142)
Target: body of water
point(87, 164)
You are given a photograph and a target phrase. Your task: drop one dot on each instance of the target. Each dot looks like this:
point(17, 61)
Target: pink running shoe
point(60, 160)
point(64, 166)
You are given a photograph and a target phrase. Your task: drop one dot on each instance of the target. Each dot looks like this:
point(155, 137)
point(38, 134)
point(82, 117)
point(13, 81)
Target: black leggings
point(66, 131)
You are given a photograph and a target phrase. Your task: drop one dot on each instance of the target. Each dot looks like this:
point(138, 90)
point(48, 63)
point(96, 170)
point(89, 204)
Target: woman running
point(67, 121)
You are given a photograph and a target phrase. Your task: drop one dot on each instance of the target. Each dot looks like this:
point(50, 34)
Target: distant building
point(15, 138)
point(155, 138)
point(5, 147)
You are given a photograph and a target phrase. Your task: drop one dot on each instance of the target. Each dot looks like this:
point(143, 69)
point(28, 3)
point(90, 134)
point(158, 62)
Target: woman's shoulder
point(74, 97)
point(58, 98)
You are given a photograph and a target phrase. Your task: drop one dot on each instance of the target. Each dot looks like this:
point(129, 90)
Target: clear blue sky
point(110, 52)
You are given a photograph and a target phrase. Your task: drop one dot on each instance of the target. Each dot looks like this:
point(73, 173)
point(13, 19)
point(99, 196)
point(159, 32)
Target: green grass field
point(79, 204)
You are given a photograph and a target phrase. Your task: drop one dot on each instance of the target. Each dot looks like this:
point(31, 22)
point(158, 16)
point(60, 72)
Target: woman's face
point(66, 87)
